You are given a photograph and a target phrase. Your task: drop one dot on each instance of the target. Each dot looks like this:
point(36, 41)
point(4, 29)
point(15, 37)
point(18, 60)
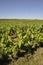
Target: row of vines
point(20, 39)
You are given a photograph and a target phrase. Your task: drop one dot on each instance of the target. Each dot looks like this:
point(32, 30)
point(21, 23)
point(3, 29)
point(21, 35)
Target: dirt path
point(36, 59)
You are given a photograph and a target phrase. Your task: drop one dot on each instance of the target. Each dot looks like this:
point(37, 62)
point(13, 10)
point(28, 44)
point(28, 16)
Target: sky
point(21, 9)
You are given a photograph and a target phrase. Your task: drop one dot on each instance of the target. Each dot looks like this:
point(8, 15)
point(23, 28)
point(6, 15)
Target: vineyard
point(16, 41)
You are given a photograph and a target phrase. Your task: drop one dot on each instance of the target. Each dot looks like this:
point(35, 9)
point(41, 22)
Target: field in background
point(20, 22)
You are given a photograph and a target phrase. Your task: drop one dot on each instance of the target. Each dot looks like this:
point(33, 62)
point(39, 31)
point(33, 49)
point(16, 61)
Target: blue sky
point(21, 9)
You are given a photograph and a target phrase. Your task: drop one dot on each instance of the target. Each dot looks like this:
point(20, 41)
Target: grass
point(13, 22)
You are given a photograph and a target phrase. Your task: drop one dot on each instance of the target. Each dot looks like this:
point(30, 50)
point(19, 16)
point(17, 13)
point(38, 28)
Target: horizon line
point(19, 19)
